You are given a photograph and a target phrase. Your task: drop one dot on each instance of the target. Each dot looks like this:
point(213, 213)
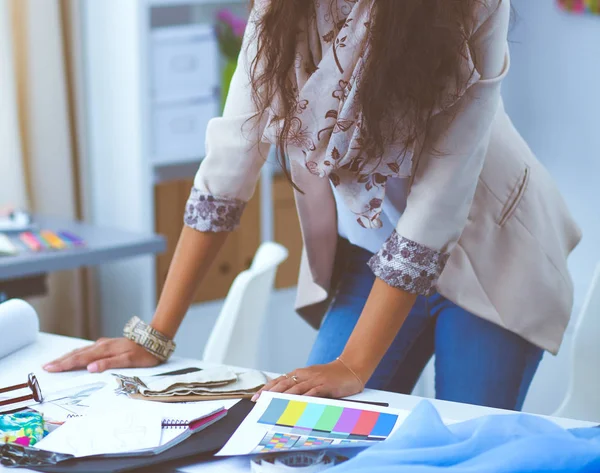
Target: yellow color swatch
point(292, 413)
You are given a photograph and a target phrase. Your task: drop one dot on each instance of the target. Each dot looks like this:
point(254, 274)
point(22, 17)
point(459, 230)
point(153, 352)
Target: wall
point(119, 191)
point(12, 183)
point(553, 97)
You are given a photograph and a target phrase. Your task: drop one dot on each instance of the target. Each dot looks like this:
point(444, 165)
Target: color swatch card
point(281, 422)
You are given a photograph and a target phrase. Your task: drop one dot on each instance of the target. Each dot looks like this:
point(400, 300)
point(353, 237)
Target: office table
point(28, 269)
point(15, 367)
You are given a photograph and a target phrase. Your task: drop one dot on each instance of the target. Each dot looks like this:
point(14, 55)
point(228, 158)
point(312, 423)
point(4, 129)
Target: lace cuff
point(206, 213)
point(408, 265)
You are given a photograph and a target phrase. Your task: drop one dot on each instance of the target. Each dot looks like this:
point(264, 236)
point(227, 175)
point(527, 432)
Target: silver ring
point(295, 379)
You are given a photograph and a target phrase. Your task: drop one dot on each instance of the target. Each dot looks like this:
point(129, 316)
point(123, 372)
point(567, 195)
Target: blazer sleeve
point(448, 168)
point(234, 156)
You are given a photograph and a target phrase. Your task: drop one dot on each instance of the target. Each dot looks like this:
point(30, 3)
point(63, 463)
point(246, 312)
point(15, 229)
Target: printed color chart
point(278, 442)
point(288, 423)
point(322, 421)
point(275, 441)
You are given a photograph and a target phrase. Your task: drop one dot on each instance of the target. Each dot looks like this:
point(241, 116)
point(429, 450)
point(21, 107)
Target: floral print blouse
point(326, 130)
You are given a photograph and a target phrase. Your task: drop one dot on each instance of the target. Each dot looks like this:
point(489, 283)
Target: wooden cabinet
point(287, 231)
point(240, 247)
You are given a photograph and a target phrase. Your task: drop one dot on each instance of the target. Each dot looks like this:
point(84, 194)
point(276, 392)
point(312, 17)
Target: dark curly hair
point(416, 50)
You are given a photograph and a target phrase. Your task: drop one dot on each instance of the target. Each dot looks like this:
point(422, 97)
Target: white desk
point(14, 369)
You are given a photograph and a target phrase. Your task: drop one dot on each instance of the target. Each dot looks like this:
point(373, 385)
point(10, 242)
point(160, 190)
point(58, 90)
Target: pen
point(373, 403)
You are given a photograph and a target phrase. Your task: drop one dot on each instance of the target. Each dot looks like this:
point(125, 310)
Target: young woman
point(429, 226)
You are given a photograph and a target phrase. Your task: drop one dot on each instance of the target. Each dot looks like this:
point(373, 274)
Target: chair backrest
point(237, 335)
point(583, 395)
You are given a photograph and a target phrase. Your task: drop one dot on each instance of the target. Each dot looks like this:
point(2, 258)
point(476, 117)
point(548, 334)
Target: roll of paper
point(19, 326)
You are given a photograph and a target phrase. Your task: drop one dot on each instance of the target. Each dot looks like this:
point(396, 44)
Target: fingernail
point(255, 397)
point(92, 367)
point(49, 367)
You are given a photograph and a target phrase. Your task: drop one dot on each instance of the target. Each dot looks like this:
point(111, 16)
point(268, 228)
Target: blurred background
point(103, 110)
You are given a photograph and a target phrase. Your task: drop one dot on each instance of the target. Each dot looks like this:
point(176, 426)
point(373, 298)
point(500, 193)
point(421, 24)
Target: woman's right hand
point(194, 253)
point(106, 353)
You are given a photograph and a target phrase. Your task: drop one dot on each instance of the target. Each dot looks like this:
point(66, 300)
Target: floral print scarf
point(331, 49)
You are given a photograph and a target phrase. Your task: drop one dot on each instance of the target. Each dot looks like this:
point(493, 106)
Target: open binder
point(194, 448)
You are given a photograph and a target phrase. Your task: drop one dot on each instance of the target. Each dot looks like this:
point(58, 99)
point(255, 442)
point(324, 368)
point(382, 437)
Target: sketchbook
point(123, 432)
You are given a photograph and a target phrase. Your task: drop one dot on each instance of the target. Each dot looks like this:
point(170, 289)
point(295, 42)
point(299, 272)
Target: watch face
point(34, 385)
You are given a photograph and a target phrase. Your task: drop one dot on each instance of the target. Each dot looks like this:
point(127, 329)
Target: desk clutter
point(37, 241)
point(113, 432)
point(136, 420)
point(117, 422)
point(19, 233)
point(12, 220)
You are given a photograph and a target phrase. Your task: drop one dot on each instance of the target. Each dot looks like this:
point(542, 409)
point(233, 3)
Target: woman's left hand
point(332, 380)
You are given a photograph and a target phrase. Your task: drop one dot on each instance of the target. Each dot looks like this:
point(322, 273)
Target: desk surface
point(30, 359)
point(102, 245)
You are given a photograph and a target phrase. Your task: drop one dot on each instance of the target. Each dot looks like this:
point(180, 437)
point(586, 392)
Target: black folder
point(200, 446)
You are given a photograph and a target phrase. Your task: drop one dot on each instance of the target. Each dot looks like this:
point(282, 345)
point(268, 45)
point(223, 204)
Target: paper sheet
point(74, 399)
point(104, 399)
point(281, 423)
point(111, 432)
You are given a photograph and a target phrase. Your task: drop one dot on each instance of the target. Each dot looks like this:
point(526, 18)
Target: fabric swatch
point(23, 428)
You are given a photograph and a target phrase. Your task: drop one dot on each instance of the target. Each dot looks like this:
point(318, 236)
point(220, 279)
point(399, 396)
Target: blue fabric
point(476, 362)
point(493, 444)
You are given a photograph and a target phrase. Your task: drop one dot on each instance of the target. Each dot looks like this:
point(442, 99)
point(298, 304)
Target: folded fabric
point(161, 385)
point(499, 444)
point(219, 383)
point(23, 428)
point(243, 382)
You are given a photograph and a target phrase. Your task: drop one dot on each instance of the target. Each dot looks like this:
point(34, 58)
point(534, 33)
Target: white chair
point(237, 335)
point(583, 394)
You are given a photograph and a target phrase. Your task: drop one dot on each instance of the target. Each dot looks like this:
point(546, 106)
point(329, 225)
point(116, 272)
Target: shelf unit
point(119, 46)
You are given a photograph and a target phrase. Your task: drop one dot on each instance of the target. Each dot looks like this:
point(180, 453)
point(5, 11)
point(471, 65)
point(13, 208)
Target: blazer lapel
point(318, 221)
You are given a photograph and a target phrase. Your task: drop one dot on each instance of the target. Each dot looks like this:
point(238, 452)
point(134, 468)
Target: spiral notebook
point(175, 431)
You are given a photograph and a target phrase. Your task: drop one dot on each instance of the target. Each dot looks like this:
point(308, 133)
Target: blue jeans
point(476, 362)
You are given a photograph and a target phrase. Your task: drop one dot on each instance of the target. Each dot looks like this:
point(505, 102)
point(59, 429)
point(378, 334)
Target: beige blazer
point(490, 220)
